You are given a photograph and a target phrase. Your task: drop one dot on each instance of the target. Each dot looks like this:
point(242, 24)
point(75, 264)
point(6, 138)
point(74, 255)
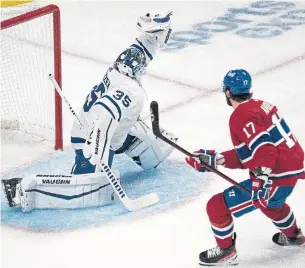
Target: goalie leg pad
point(65, 191)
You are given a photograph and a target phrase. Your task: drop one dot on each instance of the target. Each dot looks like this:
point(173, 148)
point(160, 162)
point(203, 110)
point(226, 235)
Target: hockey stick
point(154, 110)
point(61, 94)
point(130, 204)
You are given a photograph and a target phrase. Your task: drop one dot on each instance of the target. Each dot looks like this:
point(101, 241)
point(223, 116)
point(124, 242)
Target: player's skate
point(12, 191)
point(282, 240)
point(219, 256)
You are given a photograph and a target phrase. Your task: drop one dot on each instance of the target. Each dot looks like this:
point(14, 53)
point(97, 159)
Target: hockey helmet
point(238, 82)
point(131, 62)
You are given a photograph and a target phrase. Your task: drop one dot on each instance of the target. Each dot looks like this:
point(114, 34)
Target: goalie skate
point(11, 192)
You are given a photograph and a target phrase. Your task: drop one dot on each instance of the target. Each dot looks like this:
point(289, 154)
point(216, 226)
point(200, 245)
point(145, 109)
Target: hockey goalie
point(107, 124)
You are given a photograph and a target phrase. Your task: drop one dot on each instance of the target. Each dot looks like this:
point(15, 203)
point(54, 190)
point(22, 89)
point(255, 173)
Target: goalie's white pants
point(66, 191)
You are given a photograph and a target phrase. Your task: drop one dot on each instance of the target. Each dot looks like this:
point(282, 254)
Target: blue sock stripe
point(223, 234)
point(287, 223)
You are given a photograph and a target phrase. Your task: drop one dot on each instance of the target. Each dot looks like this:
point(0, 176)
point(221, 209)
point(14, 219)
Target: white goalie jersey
point(117, 101)
point(111, 80)
point(115, 106)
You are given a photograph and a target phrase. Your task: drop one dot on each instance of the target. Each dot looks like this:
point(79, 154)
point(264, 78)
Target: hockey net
point(30, 51)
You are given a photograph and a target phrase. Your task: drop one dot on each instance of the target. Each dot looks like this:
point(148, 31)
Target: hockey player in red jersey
point(264, 144)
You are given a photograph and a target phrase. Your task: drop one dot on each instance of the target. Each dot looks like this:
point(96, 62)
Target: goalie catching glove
point(209, 157)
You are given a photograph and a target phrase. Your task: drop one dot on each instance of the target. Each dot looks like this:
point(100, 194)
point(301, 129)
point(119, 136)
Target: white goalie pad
point(65, 191)
point(147, 150)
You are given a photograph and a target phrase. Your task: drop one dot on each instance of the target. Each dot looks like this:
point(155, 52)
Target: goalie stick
point(61, 94)
point(130, 204)
point(154, 111)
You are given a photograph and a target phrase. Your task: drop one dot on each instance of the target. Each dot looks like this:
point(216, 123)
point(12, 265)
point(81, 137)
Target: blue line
point(115, 104)
point(66, 197)
point(145, 49)
point(106, 107)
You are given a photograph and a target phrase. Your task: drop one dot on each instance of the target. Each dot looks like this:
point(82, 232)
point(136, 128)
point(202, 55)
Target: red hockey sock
point(291, 231)
point(221, 220)
point(283, 218)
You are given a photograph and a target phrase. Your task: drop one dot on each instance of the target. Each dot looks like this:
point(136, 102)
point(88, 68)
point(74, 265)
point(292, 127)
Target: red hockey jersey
point(262, 138)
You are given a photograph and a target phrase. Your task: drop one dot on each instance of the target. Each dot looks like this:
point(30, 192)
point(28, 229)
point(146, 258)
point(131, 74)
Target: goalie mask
point(131, 62)
point(157, 26)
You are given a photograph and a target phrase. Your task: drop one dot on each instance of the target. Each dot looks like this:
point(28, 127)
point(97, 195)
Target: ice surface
point(93, 33)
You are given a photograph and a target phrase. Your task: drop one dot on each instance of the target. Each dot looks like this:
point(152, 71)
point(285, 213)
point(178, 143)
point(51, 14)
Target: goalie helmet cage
point(30, 50)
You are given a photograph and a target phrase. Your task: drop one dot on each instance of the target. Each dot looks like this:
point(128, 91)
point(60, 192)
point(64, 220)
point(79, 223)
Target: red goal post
point(55, 48)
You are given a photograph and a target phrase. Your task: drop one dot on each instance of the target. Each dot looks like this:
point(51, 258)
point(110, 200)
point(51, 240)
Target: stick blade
point(140, 203)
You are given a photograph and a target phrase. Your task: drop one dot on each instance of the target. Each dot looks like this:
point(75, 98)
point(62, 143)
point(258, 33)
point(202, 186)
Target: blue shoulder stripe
point(145, 49)
point(262, 139)
point(243, 152)
point(106, 107)
point(275, 133)
point(115, 104)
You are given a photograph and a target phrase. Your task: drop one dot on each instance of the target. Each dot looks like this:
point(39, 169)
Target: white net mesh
point(27, 58)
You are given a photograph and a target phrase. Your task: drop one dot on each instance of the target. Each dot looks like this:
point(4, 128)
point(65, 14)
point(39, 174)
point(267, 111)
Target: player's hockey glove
point(261, 186)
point(209, 157)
